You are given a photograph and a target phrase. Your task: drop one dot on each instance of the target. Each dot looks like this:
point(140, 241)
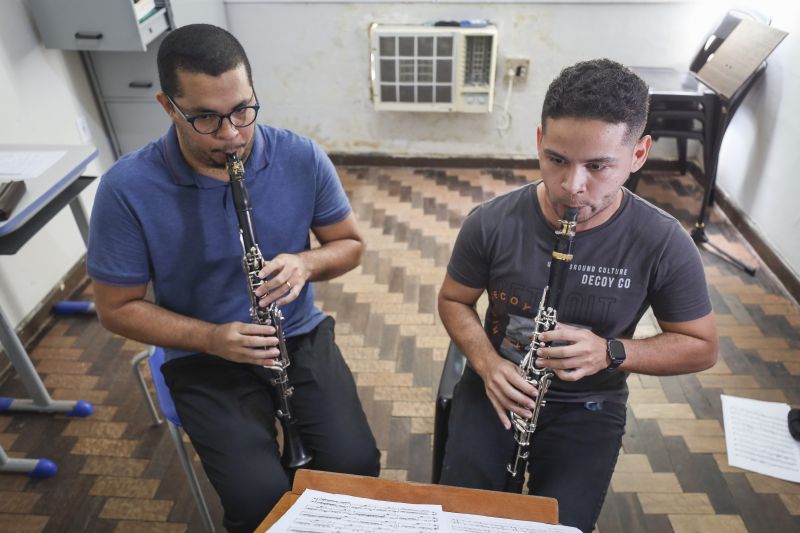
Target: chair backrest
point(451, 371)
point(451, 374)
point(165, 403)
point(714, 39)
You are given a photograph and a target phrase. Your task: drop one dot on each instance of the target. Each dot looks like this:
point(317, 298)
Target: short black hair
point(599, 89)
point(198, 48)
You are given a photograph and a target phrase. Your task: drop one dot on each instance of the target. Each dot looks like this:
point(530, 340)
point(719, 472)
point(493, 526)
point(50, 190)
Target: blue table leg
point(40, 468)
point(40, 400)
point(72, 307)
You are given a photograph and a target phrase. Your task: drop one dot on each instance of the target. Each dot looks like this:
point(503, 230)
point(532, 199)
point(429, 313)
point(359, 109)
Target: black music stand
point(711, 96)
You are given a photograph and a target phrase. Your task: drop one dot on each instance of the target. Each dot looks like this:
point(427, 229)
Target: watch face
point(616, 351)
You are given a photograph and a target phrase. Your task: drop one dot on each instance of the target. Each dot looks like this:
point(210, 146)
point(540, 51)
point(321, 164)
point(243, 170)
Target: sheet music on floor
point(323, 512)
point(758, 439)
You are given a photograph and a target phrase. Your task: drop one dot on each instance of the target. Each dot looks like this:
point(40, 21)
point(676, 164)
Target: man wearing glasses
point(164, 215)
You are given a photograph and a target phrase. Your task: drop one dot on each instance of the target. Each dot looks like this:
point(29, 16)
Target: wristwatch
point(616, 352)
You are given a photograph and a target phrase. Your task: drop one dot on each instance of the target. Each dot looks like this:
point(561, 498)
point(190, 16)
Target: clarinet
point(295, 454)
point(545, 320)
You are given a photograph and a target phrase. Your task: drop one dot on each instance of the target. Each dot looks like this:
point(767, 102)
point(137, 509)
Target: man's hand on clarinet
point(508, 391)
point(585, 353)
point(288, 274)
point(239, 342)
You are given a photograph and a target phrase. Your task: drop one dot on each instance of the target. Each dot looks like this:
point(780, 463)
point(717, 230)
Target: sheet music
point(25, 165)
point(757, 437)
point(321, 512)
point(470, 523)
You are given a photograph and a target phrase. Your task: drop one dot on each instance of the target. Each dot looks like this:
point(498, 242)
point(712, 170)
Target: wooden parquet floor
point(118, 473)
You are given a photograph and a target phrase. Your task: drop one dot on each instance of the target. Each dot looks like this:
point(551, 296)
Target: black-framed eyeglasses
point(208, 123)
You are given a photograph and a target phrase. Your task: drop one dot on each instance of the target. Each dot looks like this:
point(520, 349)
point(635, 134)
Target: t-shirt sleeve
point(117, 252)
point(468, 263)
point(679, 292)
point(331, 204)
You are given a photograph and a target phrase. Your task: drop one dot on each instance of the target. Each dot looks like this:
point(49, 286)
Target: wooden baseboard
point(387, 160)
point(782, 271)
point(36, 323)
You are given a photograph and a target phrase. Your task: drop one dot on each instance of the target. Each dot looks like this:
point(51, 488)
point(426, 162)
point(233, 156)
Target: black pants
point(228, 411)
point(572, 453)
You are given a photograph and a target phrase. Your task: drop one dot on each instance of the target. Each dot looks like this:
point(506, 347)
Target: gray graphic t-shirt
point(641, 257)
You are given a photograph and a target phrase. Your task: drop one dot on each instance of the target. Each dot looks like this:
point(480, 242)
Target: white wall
point(42, 95)
point(311, 73)
point(311, 60)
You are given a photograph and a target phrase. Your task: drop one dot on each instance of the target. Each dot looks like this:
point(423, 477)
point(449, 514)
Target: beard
point(217, 157)
point(587, 210)
point(212, 158)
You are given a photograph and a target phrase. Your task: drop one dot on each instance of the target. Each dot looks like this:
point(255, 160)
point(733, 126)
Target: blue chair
point(155, 358)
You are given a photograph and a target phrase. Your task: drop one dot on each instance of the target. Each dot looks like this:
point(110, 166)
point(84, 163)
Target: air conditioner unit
point(432, 68)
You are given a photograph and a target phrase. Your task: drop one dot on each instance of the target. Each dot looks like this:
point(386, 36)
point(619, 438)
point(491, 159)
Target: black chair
point(688, 111)
point(683, 106)
point(451, 373)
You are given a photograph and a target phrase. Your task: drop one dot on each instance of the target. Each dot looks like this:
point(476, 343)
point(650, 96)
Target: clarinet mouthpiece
point(234, 166)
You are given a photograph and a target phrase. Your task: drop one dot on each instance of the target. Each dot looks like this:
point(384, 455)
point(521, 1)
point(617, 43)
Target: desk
point(452, 499)
point(45, 196)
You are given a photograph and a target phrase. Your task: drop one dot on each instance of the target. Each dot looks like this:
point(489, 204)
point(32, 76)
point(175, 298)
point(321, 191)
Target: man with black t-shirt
point(628, 256)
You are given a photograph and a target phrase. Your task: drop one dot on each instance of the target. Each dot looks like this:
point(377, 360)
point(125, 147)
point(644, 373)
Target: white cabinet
point(119, 53)
point(137, 123)
point(126, 83)
point(96, 24)
point(128, 74)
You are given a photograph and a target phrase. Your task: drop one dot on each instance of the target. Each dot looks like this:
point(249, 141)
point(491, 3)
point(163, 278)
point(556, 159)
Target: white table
point(45, 195)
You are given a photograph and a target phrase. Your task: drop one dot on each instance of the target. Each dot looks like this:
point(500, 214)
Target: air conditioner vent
point(479, 62)
point(424, 68)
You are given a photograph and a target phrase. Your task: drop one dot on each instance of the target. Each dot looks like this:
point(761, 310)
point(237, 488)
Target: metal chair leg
point(137, 371)
point(194, 484)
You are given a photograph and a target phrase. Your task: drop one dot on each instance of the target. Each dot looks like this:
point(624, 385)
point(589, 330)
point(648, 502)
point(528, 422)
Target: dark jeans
point(228, 411)
point(572, 453)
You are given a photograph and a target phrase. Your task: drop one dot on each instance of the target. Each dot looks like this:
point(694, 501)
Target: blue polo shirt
point(156, 220)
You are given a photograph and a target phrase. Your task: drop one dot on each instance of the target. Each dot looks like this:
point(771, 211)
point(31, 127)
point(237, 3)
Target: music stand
point(730, 71)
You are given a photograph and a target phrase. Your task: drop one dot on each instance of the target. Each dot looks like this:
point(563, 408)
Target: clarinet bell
point(295, 454)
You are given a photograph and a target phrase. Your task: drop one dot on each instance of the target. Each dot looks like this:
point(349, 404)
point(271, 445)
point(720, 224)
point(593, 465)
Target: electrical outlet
point(519, 65)
point(83, 129)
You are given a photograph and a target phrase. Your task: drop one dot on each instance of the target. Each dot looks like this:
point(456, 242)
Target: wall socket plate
point(519, 65)
point(83, 129)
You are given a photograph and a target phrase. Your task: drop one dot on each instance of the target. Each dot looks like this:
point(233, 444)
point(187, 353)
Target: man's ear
point(640, 152)
point(165, 104)
point(539, 134)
